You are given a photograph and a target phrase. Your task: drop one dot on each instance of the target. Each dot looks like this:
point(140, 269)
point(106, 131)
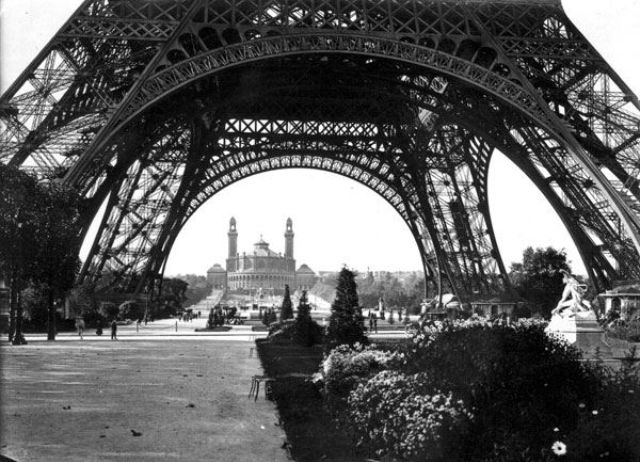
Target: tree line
point(39, 241)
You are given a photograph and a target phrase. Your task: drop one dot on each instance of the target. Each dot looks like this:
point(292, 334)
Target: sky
point(336, 220)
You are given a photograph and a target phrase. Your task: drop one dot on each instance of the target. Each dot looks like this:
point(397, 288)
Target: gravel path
point(142, 400)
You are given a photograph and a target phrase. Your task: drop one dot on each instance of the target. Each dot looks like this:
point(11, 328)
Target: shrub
point(269, 317)
point(532, 396)
point(282, 331)
point(308, 332)
point(346, 366)
point(520, 383)
point(608, 427)
point(394, 414)
point(624, 330)
point(346, 324)
point(131, 310)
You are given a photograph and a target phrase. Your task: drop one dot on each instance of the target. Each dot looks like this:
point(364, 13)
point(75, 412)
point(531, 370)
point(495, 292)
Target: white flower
point(559, 448)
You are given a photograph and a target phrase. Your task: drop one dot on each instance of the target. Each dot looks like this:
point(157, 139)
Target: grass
point(310, 429)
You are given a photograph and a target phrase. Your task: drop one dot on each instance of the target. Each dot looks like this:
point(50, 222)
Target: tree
point(538, 278)
point(171, 298)
point(346, 324)
point(308, 332)
point(33, 302)
point(39, 240)
point(58, 238)
point(286, 311)
point(18, 245)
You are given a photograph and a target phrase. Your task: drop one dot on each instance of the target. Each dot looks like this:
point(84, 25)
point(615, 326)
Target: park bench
point(256, 380)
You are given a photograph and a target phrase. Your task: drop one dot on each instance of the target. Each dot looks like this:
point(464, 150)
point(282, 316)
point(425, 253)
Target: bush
point(520, 383)
point(608, 428)
point(282, 331)
point(629, 331)
point(532, 396)
point(346, 366)
point(394, 414)
point(269, 317)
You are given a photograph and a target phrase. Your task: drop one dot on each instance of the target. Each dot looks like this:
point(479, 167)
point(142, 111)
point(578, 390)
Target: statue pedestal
point(581, 330)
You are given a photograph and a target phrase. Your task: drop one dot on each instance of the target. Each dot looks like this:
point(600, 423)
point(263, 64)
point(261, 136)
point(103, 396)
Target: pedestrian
point(375, 323)
point(80, 327)
point(99, 327)
point(114, 330)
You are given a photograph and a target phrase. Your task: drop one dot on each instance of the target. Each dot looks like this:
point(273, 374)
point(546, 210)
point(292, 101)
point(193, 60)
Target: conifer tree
point(307, 331)
point(346, 324)
point(286, 311)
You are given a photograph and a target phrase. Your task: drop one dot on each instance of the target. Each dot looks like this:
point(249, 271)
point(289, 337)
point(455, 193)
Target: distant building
point(261, 269)
point(625, 300)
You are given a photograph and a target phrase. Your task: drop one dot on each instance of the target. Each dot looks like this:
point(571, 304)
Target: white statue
point(572, 301)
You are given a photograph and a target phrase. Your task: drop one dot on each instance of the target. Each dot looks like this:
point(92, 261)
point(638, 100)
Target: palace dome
point(216, 269)
point(304, 269)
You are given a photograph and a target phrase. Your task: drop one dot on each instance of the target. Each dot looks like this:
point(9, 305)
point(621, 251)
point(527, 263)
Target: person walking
point(114, 330)
point(80, 327)
point(99, 327)
point(374, 318)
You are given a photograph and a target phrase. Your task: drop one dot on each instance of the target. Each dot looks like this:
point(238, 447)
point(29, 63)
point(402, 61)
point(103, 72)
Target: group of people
point(80, 326)
point(189, 316)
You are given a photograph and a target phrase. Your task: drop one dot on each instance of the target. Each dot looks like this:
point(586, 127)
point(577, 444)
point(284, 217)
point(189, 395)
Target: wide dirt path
point(134, 400)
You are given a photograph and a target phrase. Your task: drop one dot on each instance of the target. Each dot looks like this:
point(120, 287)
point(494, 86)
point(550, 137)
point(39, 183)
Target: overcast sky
point(336, 220)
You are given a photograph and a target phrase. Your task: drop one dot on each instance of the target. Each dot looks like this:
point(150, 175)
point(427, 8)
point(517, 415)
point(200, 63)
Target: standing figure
point(114, 330)
point(80, 327)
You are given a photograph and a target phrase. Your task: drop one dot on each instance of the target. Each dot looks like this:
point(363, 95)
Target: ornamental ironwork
point(154, 106)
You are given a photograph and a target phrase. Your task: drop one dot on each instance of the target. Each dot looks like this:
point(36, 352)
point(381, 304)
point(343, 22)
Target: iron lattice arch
point(155, 106)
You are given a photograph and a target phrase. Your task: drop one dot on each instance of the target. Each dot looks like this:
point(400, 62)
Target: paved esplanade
point(143, 400)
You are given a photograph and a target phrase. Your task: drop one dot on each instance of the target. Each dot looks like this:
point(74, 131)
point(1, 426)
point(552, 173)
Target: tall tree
point(308, 332)
point(346, 324)
point(18, 245)
point(58, 235)
point(286, 311)
point(538, 279)
point(39, 240)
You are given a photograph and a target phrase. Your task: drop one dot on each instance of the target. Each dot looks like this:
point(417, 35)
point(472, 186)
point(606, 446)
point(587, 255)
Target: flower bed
point(393, 413)
point(479, 391)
